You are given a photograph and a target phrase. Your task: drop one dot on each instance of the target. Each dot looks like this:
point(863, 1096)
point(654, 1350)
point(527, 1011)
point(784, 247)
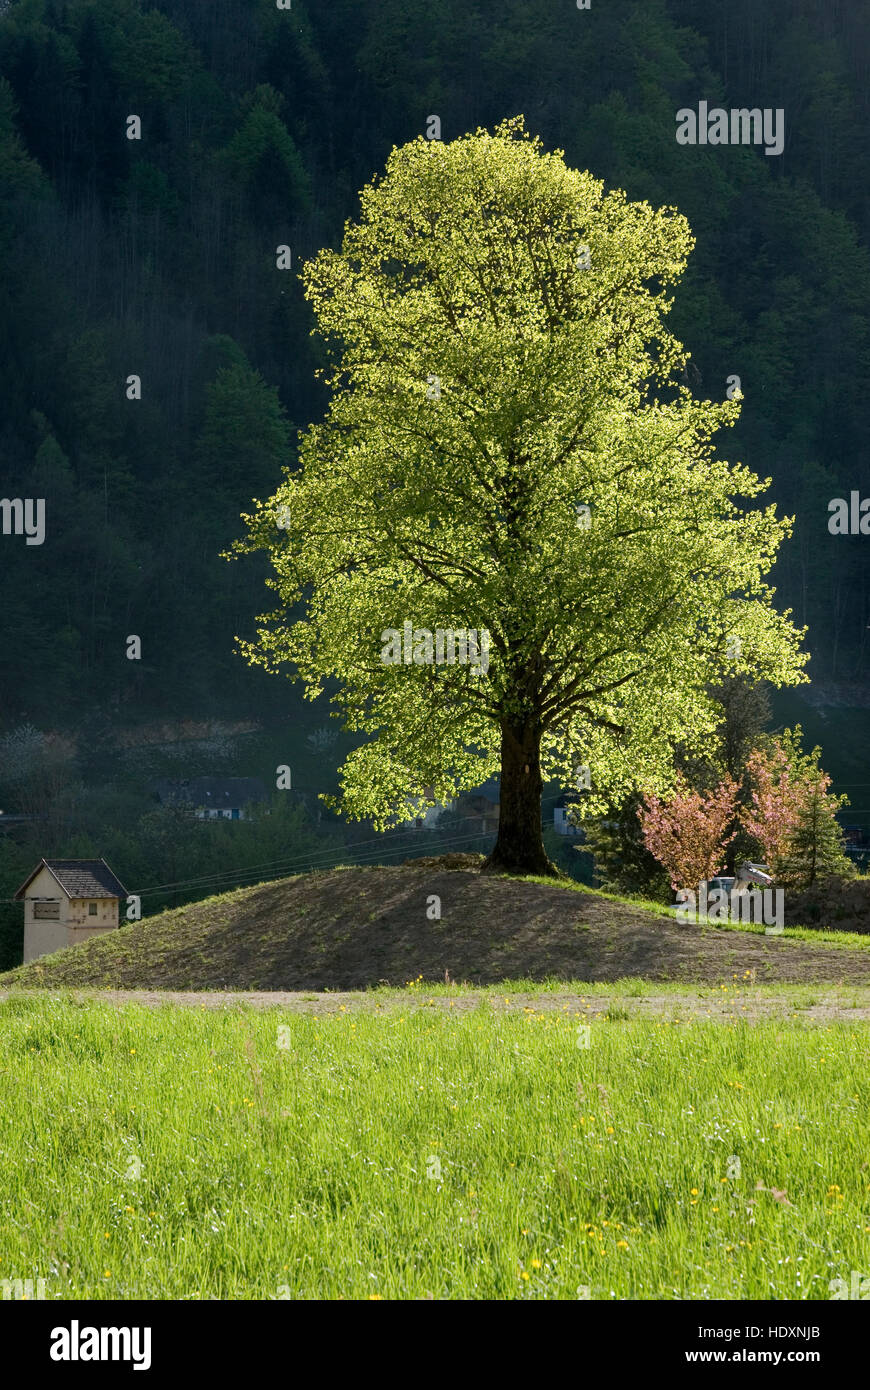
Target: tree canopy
point(508, 448)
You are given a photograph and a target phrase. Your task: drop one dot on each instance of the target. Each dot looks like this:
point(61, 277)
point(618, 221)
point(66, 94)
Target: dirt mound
point(471, 863)
point(353, 928)
point(837, 905)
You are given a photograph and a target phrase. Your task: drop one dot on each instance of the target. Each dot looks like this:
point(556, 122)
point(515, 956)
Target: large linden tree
point(508, 450)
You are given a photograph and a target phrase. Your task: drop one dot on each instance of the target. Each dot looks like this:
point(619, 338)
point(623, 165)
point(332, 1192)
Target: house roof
point(491, 789)
point(485, 796)
point(228, 792)
point(481, 805)
point(79, 878)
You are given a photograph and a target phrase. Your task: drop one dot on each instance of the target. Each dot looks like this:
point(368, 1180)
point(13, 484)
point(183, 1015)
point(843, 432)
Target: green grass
point(631, 987)
point(267, 1172)
point(656, 909)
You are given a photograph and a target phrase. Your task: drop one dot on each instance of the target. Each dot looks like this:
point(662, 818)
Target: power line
point(296, 860)
point(303, 865)
point(283, 866)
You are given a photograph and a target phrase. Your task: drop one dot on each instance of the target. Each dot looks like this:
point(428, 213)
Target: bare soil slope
point(353, 928)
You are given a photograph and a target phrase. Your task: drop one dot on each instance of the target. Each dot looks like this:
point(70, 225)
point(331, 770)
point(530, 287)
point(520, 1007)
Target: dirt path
point(816, 1004)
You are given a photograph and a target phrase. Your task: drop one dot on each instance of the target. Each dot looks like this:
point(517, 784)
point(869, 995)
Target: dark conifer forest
point(156, 363)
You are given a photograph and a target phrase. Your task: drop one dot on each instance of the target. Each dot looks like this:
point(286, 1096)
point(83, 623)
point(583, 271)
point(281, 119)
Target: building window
point(92, 909)
point(46, 911)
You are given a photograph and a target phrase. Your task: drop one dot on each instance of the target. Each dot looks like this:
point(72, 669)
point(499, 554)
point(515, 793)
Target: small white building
point(563, 823)
point(213, 798)
point(426, 817)
point(67, 901)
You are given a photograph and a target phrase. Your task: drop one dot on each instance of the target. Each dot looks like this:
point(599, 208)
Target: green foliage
point(555, 387)
point(622, 861)
point(245, 431)
point(150, 59)
point(262, 156)
point(18, 173)
point(814, 850)
point(119, 255)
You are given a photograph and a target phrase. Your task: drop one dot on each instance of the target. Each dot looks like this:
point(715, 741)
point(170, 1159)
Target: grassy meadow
point(408, 1150)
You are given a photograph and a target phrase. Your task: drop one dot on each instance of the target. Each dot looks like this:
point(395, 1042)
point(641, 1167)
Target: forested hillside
point(157, 257)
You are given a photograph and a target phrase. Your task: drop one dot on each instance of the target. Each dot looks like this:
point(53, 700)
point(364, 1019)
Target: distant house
point(425, 817)
point(66, 901)
point(561, 812)
point(483, 803)
point(480, 805)
point(213, 798)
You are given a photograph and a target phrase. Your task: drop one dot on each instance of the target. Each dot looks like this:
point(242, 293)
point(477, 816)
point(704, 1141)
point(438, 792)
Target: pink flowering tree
point(687, 832)
point(776, 799)
point(792, 812)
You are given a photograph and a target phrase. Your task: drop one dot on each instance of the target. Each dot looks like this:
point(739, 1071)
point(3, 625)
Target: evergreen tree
point(815, 849)
point(622, 861)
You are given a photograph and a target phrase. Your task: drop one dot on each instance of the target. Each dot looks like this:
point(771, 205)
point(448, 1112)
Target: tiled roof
point(80, 878)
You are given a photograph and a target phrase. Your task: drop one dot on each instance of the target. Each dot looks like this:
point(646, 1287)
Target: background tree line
point(157, 257)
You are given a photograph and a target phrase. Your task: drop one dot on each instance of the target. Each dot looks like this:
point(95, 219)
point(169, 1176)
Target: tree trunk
point(519, 848)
